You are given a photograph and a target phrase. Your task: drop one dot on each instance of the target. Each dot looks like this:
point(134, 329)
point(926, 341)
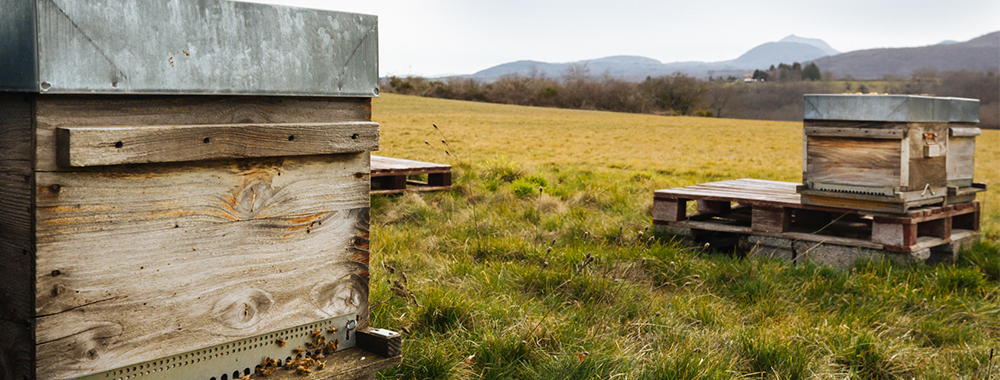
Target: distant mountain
point(978, 54)
point(773, 53)
point(635, 68)
point(812, 41)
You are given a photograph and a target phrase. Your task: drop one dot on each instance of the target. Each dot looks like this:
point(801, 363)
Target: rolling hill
point(636, 68)
point(978, 54)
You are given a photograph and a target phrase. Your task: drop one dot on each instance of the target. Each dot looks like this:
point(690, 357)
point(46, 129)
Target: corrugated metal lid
point(900, 108)
point(185, 47)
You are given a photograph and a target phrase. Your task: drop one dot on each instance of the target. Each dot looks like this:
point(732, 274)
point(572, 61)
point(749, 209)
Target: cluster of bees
point(305, 358)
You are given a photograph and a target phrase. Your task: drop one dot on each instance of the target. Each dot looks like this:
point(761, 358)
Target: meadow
point(541, 263)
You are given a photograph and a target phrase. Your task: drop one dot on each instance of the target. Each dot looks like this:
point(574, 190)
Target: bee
point(320, 366)
point(280, 342)
point(291, 364)
point(317, 334)
point(267, 372)
point(319, 356)
point(331, 347)
point(332, 330)
point(310, 345)
point(297, 350)
point(308, 362)
point(247, 377)
point(302, 370)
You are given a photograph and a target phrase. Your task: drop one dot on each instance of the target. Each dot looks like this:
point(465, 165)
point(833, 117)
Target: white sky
point(437, 37)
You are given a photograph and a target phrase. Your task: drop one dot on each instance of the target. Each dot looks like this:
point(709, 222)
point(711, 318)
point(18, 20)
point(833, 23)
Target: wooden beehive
point(888, 153)
point(196, 184)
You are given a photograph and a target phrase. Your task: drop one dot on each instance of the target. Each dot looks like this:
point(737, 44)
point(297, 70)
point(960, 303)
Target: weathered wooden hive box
point(888, 153)
point(185, 187)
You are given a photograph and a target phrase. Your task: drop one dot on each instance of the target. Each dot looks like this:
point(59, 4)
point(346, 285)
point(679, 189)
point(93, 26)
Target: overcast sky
point(437, 37)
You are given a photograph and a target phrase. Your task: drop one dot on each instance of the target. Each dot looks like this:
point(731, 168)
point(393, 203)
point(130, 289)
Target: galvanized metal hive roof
point(898, 108)
point(185, 47)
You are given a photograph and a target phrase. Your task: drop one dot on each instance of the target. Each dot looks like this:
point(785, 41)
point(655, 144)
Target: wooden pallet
point(772, 208)
point(389, 175)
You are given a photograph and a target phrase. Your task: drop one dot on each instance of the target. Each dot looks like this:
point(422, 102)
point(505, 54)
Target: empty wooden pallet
point(389, 175)
point(773, 209)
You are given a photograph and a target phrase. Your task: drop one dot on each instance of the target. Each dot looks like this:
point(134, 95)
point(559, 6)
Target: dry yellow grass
point(686, 149)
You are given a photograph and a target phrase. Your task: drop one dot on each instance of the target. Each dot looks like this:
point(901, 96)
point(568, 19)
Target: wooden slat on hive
point(54, 111)
point(141, 262)
point(116, 145)
point(854, 161)
point(386, 166)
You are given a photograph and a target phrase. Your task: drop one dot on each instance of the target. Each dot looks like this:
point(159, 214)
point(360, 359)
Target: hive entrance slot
point(228, 360)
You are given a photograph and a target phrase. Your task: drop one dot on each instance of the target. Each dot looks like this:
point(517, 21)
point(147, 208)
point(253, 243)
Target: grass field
point(497, 279)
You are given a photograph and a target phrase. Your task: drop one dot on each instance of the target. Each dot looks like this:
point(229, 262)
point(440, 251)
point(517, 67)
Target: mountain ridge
point(978, 54)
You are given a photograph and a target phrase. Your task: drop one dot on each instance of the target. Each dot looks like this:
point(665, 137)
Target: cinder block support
point(669, 210)
point(894, 235)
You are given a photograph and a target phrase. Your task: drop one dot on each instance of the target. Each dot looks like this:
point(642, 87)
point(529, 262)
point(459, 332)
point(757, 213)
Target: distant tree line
point(778, 97)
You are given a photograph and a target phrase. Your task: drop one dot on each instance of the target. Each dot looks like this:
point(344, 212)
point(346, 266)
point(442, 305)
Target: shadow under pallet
point(389, 176)
point(768, 218)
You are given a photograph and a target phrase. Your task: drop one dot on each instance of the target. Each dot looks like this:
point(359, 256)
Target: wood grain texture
point(16, 237)
point(148, 261)
point(669, 210)
point(17, 275)
point(964, 130)
point(771, 219)
point(852, 161)
point(54, 111)
point(389, 166)
point(865, 133)
point(926, 170)
point(961, 161)
point(97, 146)
point(16, 130)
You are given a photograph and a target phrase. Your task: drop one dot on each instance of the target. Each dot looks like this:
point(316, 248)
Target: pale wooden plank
point(54, 111)
point(386, 166)
point(149, 261)
point(850, 161)
point(865, 133)
point(926, 170)
point(389, 163)
point(961, 160)
point(96, 146)
point(712, 226)
point(966, 131)
point(733, 196)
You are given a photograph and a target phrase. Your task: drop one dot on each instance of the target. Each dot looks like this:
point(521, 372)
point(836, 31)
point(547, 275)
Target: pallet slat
point(772, 206)
point(389, 175)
